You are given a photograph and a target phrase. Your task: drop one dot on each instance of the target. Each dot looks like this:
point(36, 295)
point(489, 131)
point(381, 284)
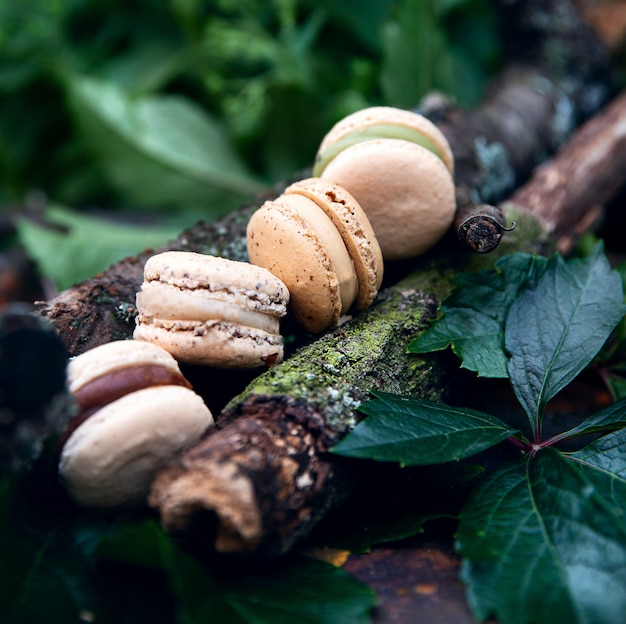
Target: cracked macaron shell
point(317, 239)
point(210, 310)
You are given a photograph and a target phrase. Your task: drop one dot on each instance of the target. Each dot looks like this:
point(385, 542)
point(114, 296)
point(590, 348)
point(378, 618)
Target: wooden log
point(264, 479)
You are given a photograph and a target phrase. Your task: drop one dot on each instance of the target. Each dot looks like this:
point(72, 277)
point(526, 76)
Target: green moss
point(336, 372)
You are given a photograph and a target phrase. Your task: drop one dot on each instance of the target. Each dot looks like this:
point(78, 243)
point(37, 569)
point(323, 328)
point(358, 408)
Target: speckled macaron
point(316, 238)
point(211, 311)
point(399, 167)
point(136, 410)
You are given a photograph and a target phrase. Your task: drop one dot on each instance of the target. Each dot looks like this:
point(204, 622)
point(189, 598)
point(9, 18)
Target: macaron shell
point(280, 240)
point(355, 230)
point(111, 458)
point(211, 311)
point(389, 115)
point(212, 343)
point(113, 356)
point(405, 190)
point(190, 270)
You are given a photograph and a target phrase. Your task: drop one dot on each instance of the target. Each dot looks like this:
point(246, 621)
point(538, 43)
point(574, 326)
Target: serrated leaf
point(80, 246)
point(472, 317)
point(557, 325)
point(161, 151)
point(607, 453)
point(416, 432)
point(541, 545)
point(603, 463)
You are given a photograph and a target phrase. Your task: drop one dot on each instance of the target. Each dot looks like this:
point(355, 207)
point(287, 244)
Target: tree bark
point(266, 476)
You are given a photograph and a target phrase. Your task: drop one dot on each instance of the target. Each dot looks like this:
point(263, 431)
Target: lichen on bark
point(337, 372)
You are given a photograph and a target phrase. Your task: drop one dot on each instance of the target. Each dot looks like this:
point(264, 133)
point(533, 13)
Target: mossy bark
point(265, 477)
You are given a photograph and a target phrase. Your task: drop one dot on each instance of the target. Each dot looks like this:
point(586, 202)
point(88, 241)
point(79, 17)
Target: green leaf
point(74, 247)
point(558, 324)
point(607, 453)
point(610, 418)
point(411, 42)
point(161, 151)
point(541, 544)
point(418, 432)
point(472, 317)
point(300, 590)
point(603, 463)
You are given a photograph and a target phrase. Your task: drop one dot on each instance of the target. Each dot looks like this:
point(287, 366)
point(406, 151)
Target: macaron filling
point(115, 384)
point(367, 133)
point(168, 303)
point(341, 263)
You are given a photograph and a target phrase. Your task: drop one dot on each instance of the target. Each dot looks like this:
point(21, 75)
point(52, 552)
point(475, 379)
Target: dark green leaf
point(608, 419)
point(410, 44)
point(472, 317)
point(603, 463)
point(607, 453)
point(558, 324)
point(417, 432)
point(161, 150)
point(542, 545)
point(98, 243)
point(301, 590)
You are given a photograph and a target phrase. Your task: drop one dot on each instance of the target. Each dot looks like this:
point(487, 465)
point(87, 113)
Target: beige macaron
point(316, 238)
point(136, 410)
point(212, 311)
point(111, 459)
point(399, 167)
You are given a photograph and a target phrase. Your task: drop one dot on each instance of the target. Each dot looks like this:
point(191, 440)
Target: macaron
point(400, 168)
point(211, 311)
point(136, 410)
point(318, 240)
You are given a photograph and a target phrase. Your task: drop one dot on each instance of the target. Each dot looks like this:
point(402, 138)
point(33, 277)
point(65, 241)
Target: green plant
point(542, 537)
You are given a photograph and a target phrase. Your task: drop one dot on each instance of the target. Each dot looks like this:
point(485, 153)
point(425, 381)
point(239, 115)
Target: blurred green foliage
point(186, 108)
point(264, 79)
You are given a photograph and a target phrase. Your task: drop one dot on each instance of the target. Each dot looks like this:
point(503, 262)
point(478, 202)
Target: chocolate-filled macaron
point(400, 168)
point(316, 238)
point(211, 311)
point(135, 411)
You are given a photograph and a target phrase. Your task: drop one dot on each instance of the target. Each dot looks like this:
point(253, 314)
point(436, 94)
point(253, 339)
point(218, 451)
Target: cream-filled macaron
point(316, 238)
point(135, 411)
point(212, 311)
point(399, 167)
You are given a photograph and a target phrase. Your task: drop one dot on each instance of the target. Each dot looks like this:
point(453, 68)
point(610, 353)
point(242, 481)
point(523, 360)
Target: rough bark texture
point(530, 110)
point(265, 477)
point(567, 194)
